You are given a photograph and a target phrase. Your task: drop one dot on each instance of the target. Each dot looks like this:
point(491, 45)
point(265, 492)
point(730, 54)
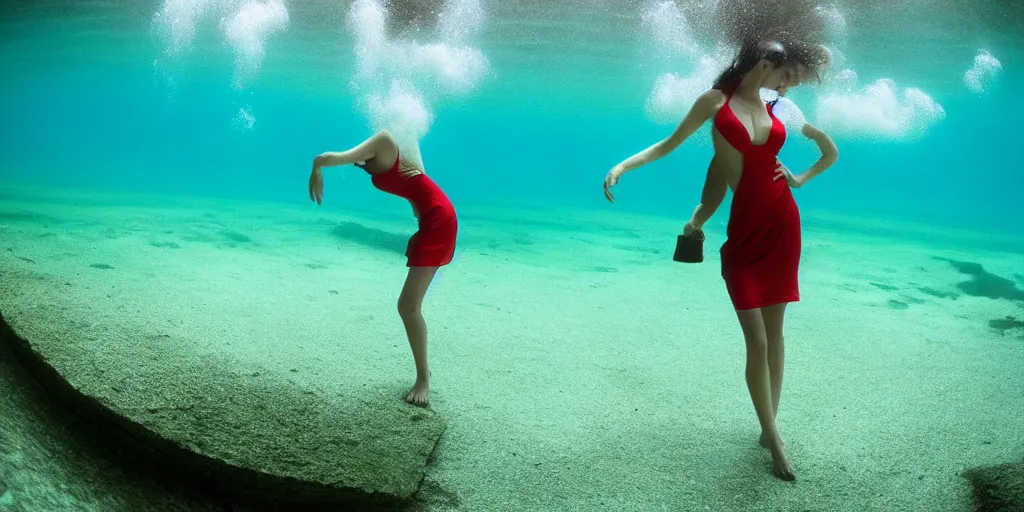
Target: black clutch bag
point(690, 248)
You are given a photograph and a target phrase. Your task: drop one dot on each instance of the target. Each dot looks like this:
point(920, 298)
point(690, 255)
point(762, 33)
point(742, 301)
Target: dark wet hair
point(813, 57)
point(748, 57)
point(406, 17)
point(779, 31)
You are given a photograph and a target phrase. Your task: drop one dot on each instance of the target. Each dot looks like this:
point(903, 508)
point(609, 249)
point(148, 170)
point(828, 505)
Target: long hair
point(788, 21)
point(749, 55)
point(779, 31)
point(815, 58)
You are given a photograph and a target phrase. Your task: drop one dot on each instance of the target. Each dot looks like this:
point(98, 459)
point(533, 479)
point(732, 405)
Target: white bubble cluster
point(671, 29)
point(244, 120)
point(460, 20)
point(835, 21)
point(245, 27)
point(247, 31)
point(673, 95)
point(404, 113)
point(397, 80)
point(672, 35)
point(983, 73)
point(880, 109)
point(176, 22)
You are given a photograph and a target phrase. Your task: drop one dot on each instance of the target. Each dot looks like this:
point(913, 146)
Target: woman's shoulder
point(712, 100)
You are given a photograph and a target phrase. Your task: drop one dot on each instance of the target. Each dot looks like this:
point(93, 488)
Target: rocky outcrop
point(248, 435)
point(998, 488)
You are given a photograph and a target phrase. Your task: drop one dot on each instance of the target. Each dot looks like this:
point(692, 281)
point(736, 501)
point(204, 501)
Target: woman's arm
point(368, 149)
point(829, 153)
point(711, 198)
point(699, 113)
point(361, 153)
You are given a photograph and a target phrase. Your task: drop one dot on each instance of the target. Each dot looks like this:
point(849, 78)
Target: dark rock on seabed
point(251, 440)
point(998, 488)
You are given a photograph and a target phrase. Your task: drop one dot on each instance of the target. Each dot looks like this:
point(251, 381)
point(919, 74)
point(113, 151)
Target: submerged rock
point(998, 488)
point(259, 439)
point(1009, 323)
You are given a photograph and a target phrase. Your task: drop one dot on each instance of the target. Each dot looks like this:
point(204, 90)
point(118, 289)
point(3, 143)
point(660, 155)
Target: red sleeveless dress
point(433, 245)
point(761, 256)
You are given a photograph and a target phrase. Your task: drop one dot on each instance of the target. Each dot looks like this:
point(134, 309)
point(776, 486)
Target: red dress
point(761, 256)
point(433, 245)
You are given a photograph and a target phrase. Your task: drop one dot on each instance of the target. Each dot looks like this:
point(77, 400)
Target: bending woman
point(761, 256)
point(431, 247)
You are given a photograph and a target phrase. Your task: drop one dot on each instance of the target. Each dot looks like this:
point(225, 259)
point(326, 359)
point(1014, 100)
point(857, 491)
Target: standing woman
point(761, 257)
point(715, 185)
point(431, 247)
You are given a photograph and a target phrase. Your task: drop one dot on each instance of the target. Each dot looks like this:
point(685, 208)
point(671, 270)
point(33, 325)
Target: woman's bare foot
point(764, 441)
point(419, 395)
point(783, 467)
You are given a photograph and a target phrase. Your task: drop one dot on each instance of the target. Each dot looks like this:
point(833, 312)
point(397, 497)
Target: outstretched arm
point(361, 153)
point(369, 148)
point(699, 113)
point(711, 198)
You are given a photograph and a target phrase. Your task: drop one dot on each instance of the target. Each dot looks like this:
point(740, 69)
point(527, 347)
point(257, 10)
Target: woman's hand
point(781, 171)
point(693, 224)
point(316, 182)
point(610, 180)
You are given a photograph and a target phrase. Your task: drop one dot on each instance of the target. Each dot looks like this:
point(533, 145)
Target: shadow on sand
point(985, 284)
point(371, 237)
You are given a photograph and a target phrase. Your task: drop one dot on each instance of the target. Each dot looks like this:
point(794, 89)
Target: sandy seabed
point(577, 366)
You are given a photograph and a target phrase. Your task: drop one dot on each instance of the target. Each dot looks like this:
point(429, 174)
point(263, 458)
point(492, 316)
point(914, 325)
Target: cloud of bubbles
point(880, 109)
point(398, 82)
point(243, 120)
point(980, 77)
point(403, 112)
point(245, 27)
point(247, 31)
point(176, 22)
point(674, 40)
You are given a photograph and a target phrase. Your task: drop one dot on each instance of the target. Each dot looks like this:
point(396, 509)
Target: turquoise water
point(90, 96)
point(577, 366)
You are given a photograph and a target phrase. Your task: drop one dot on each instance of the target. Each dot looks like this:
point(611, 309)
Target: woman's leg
point(773, 319)
point(409, 304)
point(759, 384)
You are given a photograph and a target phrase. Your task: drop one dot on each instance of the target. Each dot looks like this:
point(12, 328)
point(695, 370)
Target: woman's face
point(784, 76)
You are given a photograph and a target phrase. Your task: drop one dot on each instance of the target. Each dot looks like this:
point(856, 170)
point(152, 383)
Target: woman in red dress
point(761, 256)
point(431, 247)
